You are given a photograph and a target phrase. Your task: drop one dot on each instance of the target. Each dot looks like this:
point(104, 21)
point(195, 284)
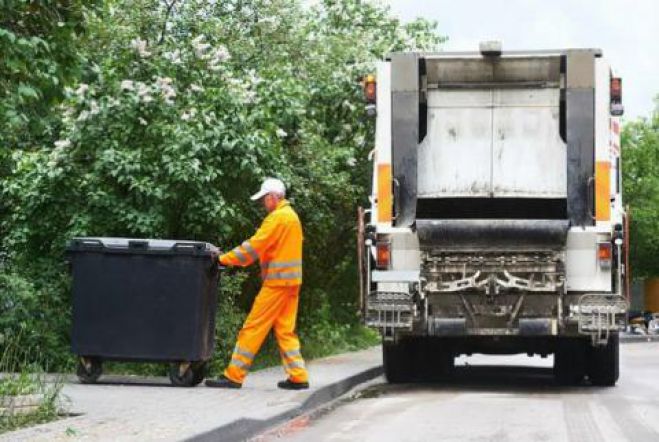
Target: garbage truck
point(496, 223)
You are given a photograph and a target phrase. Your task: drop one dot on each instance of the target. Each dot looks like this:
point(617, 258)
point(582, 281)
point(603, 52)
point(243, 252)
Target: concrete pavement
point(138, 409)
point(496, 398)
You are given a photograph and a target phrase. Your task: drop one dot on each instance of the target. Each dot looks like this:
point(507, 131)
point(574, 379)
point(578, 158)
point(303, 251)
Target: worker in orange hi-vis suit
point(278, 246)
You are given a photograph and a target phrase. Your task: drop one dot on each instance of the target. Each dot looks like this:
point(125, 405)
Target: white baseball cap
point(270, 185)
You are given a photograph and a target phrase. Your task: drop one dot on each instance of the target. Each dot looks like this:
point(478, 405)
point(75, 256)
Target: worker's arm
point(252, 249)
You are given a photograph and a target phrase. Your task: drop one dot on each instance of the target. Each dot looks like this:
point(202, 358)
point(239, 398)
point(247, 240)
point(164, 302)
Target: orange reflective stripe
point(240, 364)
point(292, 353)
point(384, 193)
point(248, 247)
point(240, 255)
point(603, 191)
point(283, 275)
point(284, 264)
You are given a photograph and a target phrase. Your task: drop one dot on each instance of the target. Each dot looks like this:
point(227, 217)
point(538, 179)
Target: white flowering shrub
point(183, 111)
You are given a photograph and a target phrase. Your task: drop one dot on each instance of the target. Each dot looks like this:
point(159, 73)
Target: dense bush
point(177, 112)
point(640, 155)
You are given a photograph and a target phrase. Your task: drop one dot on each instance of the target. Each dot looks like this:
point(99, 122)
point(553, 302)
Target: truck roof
point(517, 53)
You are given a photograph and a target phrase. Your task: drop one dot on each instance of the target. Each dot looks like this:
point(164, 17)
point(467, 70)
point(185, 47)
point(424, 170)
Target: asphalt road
point(496, 398)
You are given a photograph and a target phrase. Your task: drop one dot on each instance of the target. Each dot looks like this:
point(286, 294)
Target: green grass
point(26, 379)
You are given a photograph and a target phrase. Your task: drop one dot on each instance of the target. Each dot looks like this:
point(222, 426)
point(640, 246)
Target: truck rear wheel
point(439, 360)
point(570, 360)
point(398, 361)
point(604, 363)
point(417, 359)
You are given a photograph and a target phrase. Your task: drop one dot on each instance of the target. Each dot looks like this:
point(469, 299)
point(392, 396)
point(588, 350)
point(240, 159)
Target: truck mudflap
point(599, 315)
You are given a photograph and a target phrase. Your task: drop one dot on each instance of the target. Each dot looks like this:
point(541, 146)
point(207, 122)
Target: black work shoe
point(290, 385)
point(222, 382)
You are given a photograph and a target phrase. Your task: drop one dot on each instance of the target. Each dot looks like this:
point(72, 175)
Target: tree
point(190, 106)
point(640, 141)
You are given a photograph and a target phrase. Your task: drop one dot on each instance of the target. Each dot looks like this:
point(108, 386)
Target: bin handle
point(82, 243)
point(140, 245)
point(195, 247)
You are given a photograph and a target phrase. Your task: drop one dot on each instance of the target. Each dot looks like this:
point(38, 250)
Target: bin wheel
point(199, 370)
point(193, 373)
point(89, 370)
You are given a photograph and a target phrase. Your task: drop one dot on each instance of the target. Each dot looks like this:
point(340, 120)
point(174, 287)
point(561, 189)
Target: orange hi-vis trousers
point(273, 307)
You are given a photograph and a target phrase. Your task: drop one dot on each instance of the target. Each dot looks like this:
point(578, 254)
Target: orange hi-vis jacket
point(277, 244)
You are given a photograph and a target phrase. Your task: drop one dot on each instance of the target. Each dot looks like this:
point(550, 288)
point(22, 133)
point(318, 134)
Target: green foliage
point(185, 108)
point(38, 55)
point(640, 158)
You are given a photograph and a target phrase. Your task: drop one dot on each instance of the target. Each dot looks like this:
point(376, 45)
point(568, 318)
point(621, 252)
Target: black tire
point(570, 360)
point(199, 372)
point(437, 360)
point(90, 375)
point(189, 378)
point(604, 363)
point(397, 361)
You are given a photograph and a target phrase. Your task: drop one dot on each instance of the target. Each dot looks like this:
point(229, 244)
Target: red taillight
point(604, 254)
point(383, 254)
point(616, 89)
point(616, 96)
point(369, 89)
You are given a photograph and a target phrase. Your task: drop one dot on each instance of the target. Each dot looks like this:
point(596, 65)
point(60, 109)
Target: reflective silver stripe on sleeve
point(292, 353)
point(247, 246)
point(240, 255)
point(240, 364)
point(244, 353)
point(284, 264)
point(295, 364)
point(284, 275)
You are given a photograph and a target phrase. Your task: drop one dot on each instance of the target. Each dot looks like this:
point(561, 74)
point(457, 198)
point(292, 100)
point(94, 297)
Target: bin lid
point(137, 245)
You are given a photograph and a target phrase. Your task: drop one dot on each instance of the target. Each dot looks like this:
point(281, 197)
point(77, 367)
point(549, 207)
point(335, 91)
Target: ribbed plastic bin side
point(143, 300)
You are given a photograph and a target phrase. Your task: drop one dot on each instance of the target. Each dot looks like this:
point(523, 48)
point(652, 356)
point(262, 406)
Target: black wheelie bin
point(143, 300)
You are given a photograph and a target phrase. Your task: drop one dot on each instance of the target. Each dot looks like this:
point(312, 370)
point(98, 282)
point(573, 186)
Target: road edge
point(638, 338)
point(242, 429)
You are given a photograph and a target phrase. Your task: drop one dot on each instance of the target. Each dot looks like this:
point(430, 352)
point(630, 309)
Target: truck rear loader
point(496, 222)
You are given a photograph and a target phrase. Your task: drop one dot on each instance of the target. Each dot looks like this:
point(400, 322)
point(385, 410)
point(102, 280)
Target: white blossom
point(199, 46)
point(174, 57)
point(63, 144)
point(268, 21)
point(140, 46)
point(351, 162)
point(189, 114)
point(219, 55)
point(249, 97)
point(82, 116)
point(127, 85)
point(142, 121)
point(196, 88)
point(94, 108)
point(166, 88)
point(82, 90)
point(144, 92)
point(281, 133)
point(253, 78)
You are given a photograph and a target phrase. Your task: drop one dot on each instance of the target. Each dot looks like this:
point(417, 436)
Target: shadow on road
point(129, 381)
point(484, 378)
